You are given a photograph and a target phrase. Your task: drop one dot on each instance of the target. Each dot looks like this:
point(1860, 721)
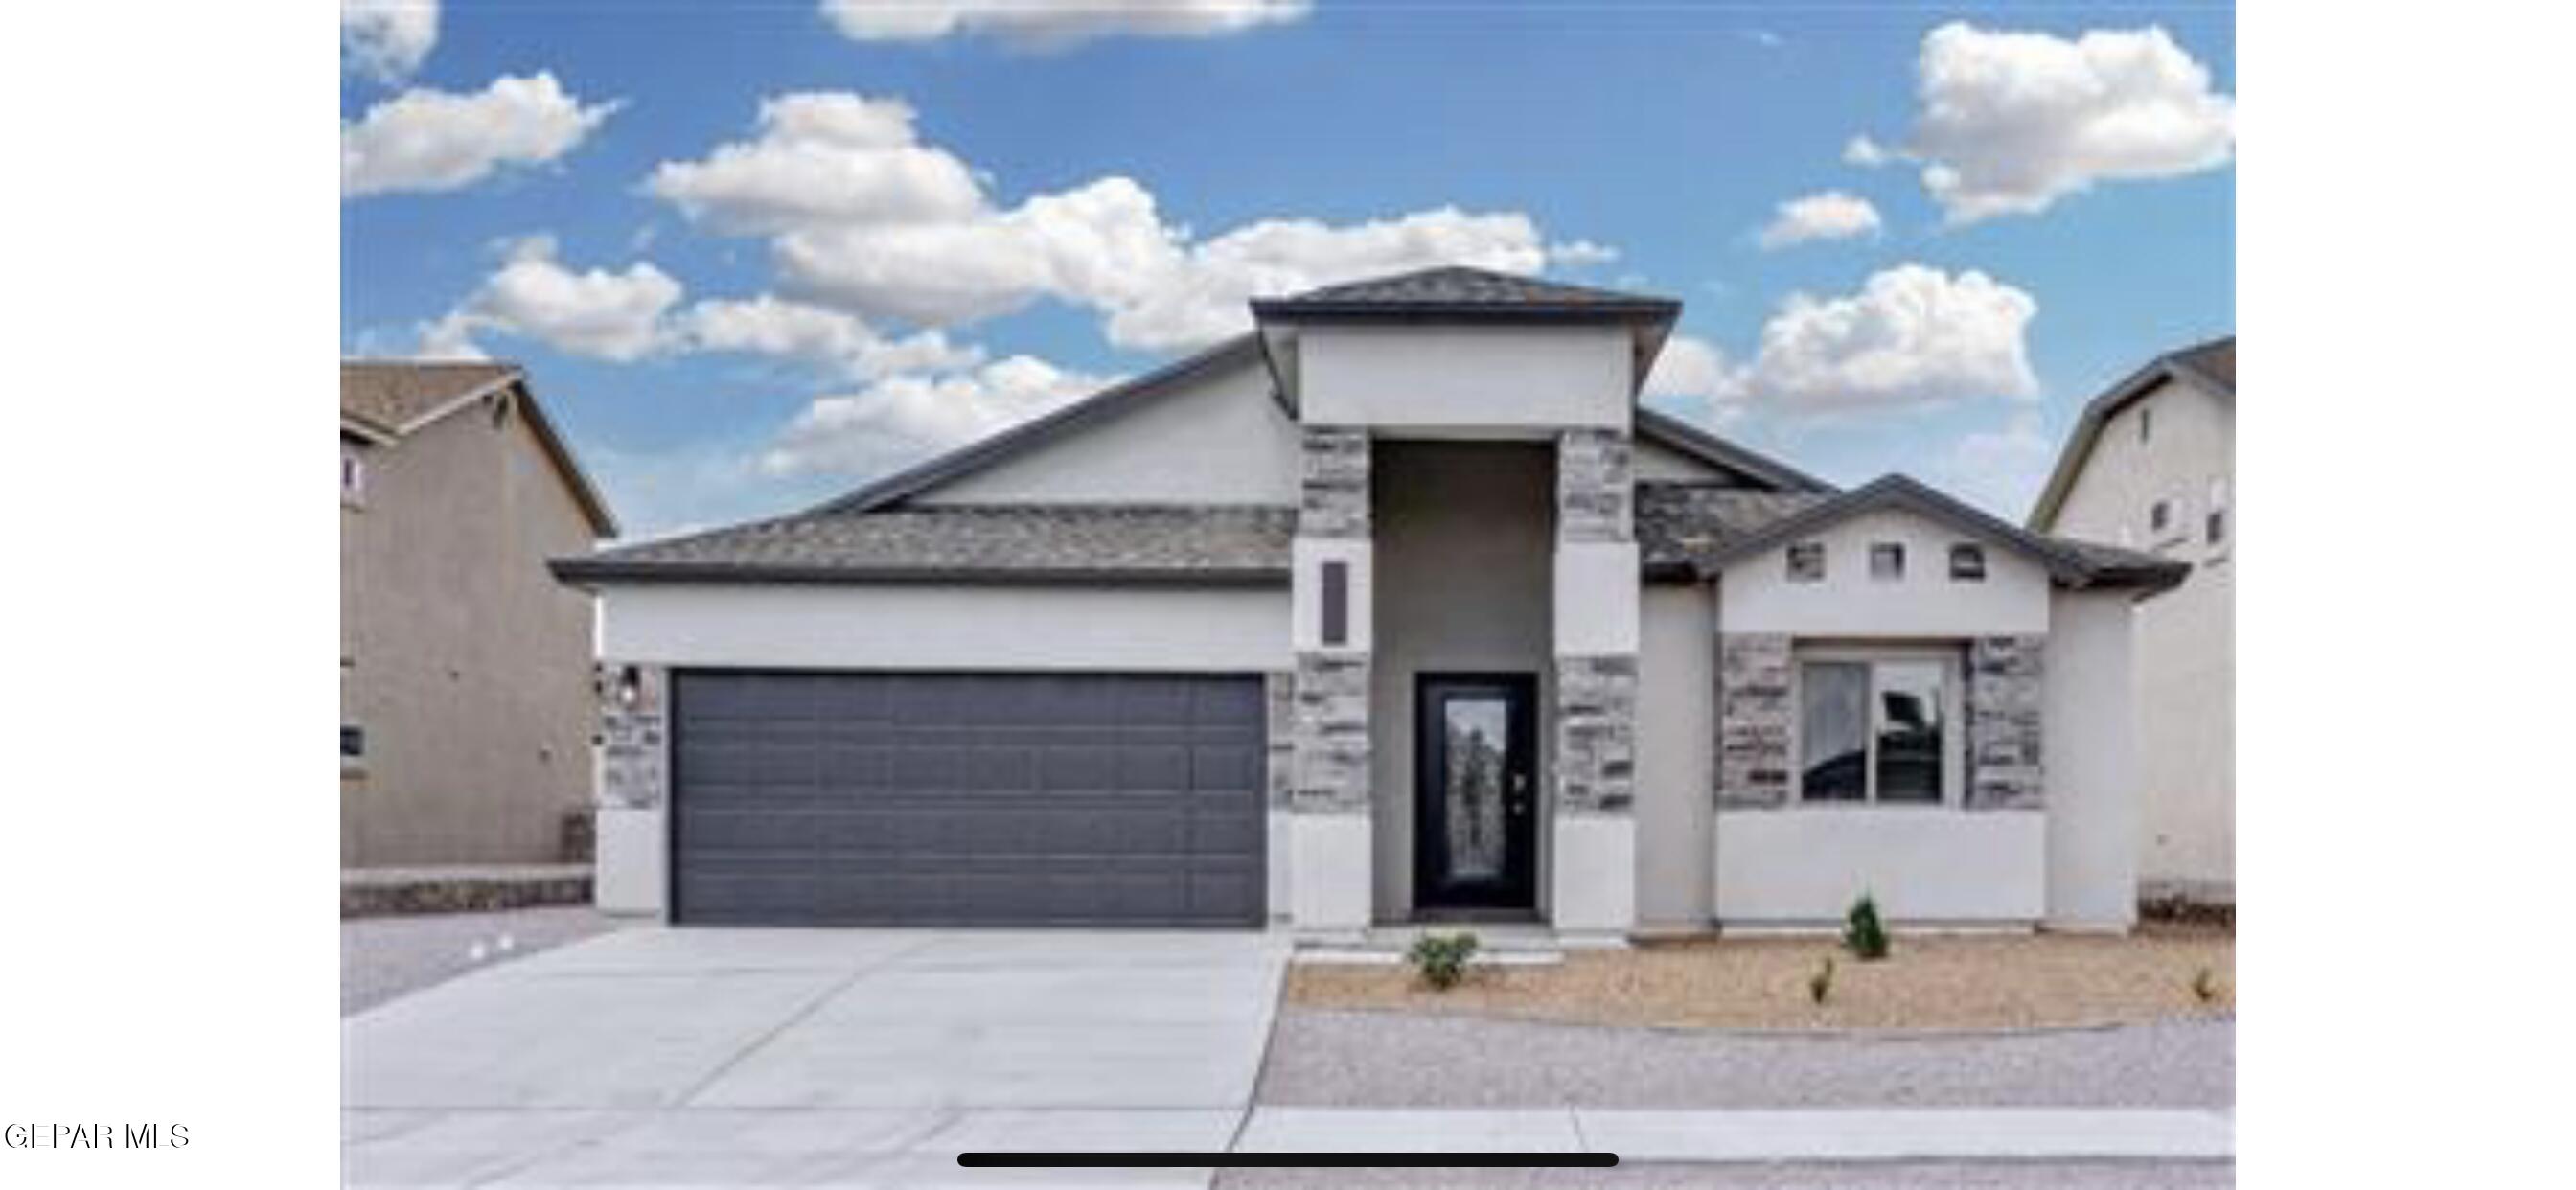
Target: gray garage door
point(967, 799)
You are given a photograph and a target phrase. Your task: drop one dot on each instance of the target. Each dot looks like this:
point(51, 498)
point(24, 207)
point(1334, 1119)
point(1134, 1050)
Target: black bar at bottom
point(1287, 1160)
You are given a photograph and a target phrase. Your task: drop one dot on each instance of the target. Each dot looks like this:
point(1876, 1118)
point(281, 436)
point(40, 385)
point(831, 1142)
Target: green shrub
point(1821, 984)
point(1863, 934)
point(1442, 958)
point(2205, 987)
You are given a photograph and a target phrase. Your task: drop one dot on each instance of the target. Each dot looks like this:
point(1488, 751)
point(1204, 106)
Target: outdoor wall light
point(630, 684)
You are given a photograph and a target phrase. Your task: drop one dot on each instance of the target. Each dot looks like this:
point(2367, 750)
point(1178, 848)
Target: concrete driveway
point(832, 1057)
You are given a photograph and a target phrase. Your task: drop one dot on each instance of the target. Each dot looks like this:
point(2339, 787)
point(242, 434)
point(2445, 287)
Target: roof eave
point(597, 572)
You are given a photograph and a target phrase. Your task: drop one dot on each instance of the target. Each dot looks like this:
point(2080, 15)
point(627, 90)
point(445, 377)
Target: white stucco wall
point(1142, 628)
point(2186, 637)
point(1654, 462)
point(630, 874)
point(1805, 867)
point(2089, 754)
point(1676, 742)
point(1220, 439)
point(1848, 603)
point(1465, 378)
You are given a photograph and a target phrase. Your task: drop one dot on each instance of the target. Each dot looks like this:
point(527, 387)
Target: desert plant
point(2204, 986)
point(1863, 934)
point(1821, 984)
point(1442, 958)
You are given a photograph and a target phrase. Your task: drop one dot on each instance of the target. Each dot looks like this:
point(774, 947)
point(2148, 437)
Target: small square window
point(353, 741)
point(353, 476)
point(2160, 516)
point(2217, 526)
point(1887, 561)
point(1968, 563)
point(1807, 562)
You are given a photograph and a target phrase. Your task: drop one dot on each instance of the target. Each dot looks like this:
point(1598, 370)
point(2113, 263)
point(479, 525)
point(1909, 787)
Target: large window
point(1876, 728)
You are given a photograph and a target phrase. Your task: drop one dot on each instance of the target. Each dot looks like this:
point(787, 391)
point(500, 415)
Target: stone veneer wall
point(1330, 721)
point(1596, 734)
point(2005, 680)
point(1333, 472)
point(1279, 735)
point(1753, 720)
point(634, 737)
point(1595, 486)
point(1595, 696)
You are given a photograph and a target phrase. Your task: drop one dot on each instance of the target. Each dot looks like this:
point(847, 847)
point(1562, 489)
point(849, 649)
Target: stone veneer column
point(1330, 888)
point(1753, 720)
point(2006, 684)
point(1593, 889)
point(634, 789)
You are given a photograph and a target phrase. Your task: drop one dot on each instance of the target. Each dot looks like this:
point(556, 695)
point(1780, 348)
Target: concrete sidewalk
point(919, 1147)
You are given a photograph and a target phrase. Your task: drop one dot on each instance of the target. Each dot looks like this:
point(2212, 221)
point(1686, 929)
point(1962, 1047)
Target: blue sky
point(547, 183)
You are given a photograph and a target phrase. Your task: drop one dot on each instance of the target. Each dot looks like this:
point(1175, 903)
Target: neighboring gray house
point(466, 711)
point(1397, 609)
point(2152, 463)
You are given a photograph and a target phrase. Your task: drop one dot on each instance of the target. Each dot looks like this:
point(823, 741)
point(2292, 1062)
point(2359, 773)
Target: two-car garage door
point(967, 799)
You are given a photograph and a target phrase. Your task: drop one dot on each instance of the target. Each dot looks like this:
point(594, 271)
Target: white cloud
point(2001, 470)
point(1829, 215)
point(1204, 298)
point(772, 326)
point(2012, 122)
point(861, 215)
point(1580, 254)
point(1053, 24)
point(1867, 153)
point(386, 40)
point(902, 418)
point(439, 140)
point(606, 315)
point(822, 157)
point(1693, 377)
point(1912, 336)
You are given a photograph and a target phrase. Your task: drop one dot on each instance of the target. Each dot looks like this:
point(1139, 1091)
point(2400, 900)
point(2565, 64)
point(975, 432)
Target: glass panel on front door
point(1478, 730)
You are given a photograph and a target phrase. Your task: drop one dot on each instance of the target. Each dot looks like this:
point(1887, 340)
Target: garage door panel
point(968, 799)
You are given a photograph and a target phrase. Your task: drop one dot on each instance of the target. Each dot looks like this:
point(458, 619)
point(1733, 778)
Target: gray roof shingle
point(393, 394)
point(996, 543)
point(1457, 289)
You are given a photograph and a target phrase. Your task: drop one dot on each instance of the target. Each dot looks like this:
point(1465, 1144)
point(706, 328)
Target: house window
point(1807, 562)
point(2160, 517)
point(1887, 561)
point(2216, 529)
point(1337, 603)
point(2146, 423)
point(353, 477)
point(1968, 563)
point(1875, 730)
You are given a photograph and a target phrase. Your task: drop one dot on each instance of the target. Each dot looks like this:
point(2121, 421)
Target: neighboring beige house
point(2152, 465)
point(466, 708)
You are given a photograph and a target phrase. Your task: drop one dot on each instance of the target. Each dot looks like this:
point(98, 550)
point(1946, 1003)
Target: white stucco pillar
point(1593, 873)
point(1329, 846)
point(2089, 758)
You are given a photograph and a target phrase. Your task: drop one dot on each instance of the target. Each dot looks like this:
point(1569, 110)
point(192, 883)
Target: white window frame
point(1954, 723)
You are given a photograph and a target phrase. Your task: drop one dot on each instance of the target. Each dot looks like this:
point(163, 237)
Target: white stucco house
point(2152, 464)
point(1396, 609)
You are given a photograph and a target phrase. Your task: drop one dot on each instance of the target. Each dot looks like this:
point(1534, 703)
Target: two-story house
point(2152, 464)
point(466, 708)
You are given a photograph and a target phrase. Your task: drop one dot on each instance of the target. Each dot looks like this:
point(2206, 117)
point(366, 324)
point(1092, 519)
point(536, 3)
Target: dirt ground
point(1929, 982)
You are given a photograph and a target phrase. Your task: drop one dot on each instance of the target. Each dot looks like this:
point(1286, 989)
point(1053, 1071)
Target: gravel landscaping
point(1928, 983)
point(1383, 1059)
point(385, 957)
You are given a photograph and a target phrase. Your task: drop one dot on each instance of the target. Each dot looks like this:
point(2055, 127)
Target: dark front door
point(1475, 796)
